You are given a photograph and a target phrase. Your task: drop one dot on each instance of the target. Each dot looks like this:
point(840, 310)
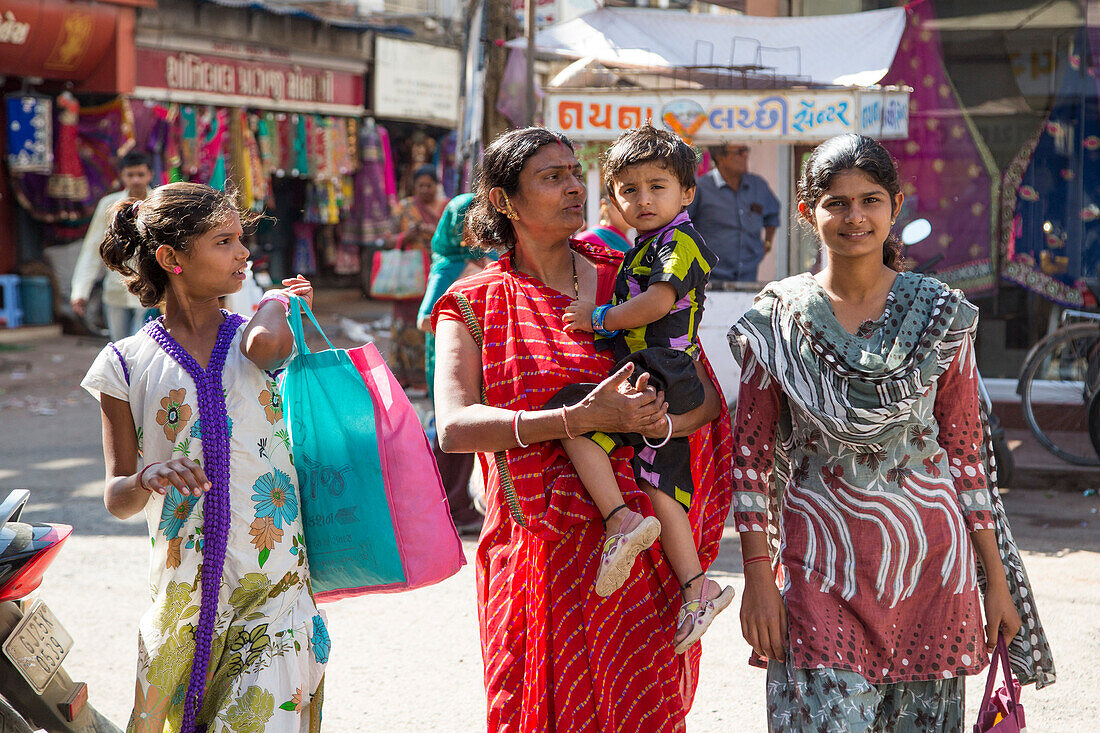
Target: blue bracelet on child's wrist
point(597, 321)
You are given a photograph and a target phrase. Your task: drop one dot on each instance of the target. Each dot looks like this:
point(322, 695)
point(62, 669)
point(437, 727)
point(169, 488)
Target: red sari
point(557, 656)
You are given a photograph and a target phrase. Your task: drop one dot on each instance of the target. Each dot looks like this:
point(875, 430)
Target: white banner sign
point(713, 117)
point(416, 81)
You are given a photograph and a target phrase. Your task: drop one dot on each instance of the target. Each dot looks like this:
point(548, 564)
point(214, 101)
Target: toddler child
point(193, 437)
point(653, 323)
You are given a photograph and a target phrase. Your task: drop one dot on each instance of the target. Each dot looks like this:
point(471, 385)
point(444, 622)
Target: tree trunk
point(501, 25)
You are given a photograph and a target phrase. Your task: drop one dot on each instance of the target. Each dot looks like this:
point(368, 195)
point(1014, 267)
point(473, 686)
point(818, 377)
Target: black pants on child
point(667, 468)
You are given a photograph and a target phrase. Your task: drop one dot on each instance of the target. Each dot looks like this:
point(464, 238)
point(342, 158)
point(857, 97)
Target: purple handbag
point(1001, 711)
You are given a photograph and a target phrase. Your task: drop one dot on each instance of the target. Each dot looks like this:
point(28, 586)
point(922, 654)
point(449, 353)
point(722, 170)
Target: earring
point(509, 211)
point(177, 270)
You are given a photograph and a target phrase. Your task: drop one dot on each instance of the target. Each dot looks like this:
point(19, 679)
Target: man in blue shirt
point(731, 208)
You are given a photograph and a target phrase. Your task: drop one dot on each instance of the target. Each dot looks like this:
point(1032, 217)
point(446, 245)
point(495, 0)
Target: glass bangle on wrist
point(597, 321)
point(281, 297)
point(668, 436)
point(515, 428)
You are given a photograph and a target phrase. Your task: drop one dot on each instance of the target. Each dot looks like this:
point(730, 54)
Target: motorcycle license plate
point(37, 646)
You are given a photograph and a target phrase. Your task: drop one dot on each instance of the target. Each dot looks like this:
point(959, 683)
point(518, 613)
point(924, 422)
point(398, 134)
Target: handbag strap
point(294, 318)
point(500, 457)
point(1000, 654)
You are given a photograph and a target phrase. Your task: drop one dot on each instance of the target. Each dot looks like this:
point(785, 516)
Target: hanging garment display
point(268, 138)
point(317, 146)
point(239, 162)
point(104, 132)
point(215, 138)
point(304, 256)
point(300, 161)
point(389, 166)
point(259, 177)
point(371, 216)
point(1051, 193)
point(944, 165)
point(189, 141)
point(153, 123)
point(30, 133)
point(67, 180)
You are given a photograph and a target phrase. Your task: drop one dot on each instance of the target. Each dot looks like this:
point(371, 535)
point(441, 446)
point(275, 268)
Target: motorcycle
point(36, 692)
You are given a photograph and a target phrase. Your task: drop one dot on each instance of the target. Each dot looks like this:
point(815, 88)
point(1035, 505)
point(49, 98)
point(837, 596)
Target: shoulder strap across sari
point(499, 457)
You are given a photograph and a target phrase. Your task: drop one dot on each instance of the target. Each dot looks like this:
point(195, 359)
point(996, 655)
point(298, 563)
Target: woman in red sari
point(557, 656)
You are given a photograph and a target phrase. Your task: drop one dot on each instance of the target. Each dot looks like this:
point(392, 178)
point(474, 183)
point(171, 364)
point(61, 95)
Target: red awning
point(70, 41)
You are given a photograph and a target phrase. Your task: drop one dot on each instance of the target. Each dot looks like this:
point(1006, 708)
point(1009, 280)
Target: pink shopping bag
point(426, 536)
point(1001, 711)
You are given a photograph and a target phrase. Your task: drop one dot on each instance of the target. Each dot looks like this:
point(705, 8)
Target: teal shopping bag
point(329, 412)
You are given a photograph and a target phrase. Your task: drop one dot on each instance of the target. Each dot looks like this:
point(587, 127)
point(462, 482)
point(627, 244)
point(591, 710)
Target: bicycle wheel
point(1094, 422)
point(1057, 382)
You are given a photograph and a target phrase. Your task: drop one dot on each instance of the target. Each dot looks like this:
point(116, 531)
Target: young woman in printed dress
point(859, 387)
point(193, 437)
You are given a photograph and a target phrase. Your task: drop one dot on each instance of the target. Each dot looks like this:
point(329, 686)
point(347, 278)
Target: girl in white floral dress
point(193, 435)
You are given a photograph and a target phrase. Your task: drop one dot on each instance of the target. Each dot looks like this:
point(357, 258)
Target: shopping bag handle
point(294, 318)
point(1001, 655)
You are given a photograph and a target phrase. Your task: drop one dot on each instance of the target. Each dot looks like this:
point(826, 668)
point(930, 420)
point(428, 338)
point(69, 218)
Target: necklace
point(576, 287)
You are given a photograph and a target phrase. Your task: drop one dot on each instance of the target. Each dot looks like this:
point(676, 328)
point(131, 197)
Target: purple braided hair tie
point(215, 453)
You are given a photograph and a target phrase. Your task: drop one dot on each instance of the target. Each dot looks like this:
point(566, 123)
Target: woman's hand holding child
point(616, 405)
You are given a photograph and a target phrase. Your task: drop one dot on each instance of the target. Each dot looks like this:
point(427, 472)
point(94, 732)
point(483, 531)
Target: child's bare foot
point(703, 600)
point(628, 533)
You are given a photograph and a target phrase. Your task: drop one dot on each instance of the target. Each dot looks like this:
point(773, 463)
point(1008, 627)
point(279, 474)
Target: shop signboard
point(416, 81)
point(244, 76)
point(54, 39)
point(717, 116)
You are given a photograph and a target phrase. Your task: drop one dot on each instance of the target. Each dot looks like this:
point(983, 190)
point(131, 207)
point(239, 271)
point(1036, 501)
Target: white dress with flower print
point(270, 643)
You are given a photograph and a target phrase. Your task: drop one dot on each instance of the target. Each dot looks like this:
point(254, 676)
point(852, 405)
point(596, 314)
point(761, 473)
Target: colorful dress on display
point(1050, 211)
point(558, 657)
point(880, 474)
point(268, 643)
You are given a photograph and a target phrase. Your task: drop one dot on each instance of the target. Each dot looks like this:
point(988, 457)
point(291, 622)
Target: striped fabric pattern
point(557, 657)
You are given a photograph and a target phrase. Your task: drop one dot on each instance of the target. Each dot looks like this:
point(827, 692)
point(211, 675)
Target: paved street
point(411, 662)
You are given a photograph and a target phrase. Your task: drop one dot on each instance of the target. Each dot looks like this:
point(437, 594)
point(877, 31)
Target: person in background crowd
point(123, 312)
point(451, 261)
point(415, 221)
point(731, 209)
point(554, 654)
point(611, 231)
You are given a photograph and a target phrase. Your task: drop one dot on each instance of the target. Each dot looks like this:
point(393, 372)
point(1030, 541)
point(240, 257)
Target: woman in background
point(415, 221)
point(451, 261)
